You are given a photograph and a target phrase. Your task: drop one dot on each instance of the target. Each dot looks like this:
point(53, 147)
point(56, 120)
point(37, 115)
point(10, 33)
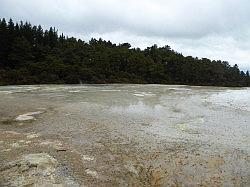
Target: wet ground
point(124, 135)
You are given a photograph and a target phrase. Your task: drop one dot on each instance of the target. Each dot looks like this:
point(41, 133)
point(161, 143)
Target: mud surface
point(124, 135)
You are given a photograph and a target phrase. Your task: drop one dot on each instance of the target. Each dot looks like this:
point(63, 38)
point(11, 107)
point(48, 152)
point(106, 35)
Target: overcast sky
point(216, 29)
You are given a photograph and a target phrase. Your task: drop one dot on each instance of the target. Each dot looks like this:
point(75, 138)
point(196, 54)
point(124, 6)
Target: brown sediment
point(154, 138)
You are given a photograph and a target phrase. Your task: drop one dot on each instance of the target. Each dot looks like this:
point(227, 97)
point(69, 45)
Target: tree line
point(31, 55)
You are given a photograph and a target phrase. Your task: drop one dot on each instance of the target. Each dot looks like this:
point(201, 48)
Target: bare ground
point(122, 136)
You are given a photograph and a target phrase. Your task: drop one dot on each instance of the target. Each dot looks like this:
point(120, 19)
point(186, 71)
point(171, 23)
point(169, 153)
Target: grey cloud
point(172, 18)
point(218, 27)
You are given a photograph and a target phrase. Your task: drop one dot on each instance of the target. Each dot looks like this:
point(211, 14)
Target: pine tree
point(11, 25)
point(247, 74)
point(29, 54)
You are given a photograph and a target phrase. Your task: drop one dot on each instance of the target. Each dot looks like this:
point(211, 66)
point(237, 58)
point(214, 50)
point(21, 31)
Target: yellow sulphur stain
point(182, 126)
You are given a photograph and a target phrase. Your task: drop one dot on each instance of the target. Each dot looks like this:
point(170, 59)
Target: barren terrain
point(124, 135)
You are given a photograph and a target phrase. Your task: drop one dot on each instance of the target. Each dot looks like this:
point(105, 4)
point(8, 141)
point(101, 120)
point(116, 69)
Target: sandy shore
point(124, 135)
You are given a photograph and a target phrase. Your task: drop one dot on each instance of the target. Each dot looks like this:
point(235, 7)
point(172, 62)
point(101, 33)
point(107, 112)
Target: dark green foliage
point(30, 55)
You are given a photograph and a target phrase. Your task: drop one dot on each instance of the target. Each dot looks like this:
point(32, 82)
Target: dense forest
point(31, 55)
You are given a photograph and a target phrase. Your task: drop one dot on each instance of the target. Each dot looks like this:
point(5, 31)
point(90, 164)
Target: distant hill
point(31, 55)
